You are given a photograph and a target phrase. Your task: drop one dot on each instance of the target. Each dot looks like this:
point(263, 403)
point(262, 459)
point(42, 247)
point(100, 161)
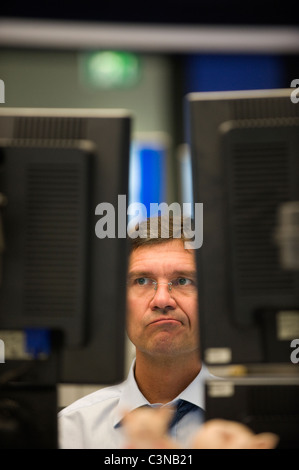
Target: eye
point(182, 282)
point(142, 281)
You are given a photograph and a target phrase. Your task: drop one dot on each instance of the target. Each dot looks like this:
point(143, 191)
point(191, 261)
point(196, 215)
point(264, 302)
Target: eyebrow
point(173, 274)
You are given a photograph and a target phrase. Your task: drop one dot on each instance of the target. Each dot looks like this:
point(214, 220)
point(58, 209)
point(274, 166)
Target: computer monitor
point(264, 404)
point(60, 169)
point(245, 165)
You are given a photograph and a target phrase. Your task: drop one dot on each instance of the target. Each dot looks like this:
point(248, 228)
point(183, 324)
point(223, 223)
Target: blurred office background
point(145, 62)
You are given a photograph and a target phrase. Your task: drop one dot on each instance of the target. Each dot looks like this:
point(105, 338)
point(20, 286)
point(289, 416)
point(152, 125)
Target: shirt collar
point(132, 398)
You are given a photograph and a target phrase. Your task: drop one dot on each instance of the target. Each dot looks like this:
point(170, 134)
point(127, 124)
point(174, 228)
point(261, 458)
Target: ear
point(264, 440)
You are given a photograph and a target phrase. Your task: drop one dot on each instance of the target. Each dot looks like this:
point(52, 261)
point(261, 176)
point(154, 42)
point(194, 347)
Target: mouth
point(164, 321)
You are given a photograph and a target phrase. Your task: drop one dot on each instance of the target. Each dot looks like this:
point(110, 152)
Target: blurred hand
point(224, 434)
point(146, 428)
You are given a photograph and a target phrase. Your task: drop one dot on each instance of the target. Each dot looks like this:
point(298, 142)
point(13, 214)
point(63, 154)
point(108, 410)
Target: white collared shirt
point(94, 421)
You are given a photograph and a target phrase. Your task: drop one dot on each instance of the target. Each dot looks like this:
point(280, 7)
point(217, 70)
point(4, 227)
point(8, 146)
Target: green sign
point(111, 69)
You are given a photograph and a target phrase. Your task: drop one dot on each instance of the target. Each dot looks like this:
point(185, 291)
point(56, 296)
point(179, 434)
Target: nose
point(162, 298)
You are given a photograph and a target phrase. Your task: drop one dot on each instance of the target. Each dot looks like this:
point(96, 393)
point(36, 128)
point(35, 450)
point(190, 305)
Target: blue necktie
point(183, 408)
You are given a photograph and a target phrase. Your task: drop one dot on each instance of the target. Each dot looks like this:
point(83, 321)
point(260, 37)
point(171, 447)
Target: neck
point(160, 381)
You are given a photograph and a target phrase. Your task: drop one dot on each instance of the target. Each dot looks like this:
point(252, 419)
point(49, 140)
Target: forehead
point(162, 257)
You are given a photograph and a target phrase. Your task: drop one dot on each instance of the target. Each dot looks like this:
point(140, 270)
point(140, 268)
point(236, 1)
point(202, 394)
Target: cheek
point(190, 307)
point(133, 314)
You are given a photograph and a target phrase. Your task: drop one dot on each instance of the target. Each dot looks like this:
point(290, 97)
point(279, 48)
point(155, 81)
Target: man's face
point(162, 321)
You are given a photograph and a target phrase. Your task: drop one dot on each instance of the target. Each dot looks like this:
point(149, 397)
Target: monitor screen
point(245, 165)
point(63, 265)
point(264, 404)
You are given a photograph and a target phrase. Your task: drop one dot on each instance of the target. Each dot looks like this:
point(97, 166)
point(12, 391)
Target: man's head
point(161, 229)
point(162, 306)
